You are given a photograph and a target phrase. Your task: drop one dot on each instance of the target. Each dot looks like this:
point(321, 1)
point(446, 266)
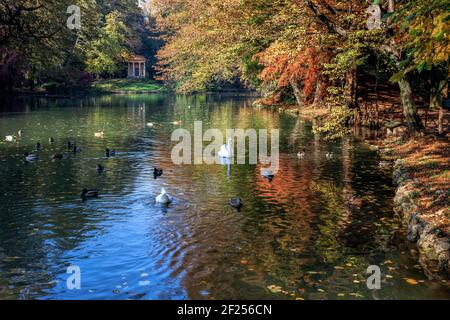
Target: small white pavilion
point(136, 67)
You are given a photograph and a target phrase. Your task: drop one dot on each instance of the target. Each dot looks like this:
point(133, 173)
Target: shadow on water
point(310, 233)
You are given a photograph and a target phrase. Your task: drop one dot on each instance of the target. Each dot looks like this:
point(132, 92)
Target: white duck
point(164, 198)
point(301, 154)
point(9, 138)
point(226, 150)
point(30, 157)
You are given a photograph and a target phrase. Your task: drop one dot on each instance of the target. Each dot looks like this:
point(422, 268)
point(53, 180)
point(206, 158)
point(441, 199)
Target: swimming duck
point(88, 194)
point(110, 153)
point(226, 150)
point(9, 138)
point(76, 149)
point(301, 154)
point(164, 198)
point(236, 203)
point(51, 140)
point(268, 174)
point(329, 155)
point(30, 157)
point(100, 134)
point(157, 173)
point(58, 156)
point(100, 169)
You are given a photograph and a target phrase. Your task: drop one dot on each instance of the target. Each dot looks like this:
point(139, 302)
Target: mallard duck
point(236, 203)
point(9, 138)
point(51, 140)
point(76, 149)
point(100, 134)
point(100, 169)
point(268, 174)
point(226, 150)
point(164, 198)
point(30, 157)
point(88, 194)
point(58, 156)
point(110, 153)
point(157, 173)
point(301, 154)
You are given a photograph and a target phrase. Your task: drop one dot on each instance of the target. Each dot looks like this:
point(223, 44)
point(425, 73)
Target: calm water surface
point(295, 237)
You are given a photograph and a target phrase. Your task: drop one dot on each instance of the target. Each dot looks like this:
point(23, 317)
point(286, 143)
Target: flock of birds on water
point(164, 198)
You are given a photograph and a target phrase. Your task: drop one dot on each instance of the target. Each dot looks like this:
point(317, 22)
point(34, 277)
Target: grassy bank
point(128, 86)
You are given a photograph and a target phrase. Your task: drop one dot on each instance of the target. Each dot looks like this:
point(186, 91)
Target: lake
point(295, 238)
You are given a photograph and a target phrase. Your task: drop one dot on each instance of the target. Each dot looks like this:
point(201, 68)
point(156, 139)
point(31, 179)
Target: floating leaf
point(411, 281)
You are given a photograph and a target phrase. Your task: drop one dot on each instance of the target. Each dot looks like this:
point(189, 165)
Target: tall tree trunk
point(436, 103)
point(297, 93)
point(318, 94)
point(351, 87)
point(409, 108)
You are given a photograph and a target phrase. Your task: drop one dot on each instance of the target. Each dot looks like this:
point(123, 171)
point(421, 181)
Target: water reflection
point(310, 233)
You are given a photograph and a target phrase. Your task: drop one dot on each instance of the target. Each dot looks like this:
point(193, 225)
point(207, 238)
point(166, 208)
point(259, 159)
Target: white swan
point(226, 150)
point(164, 198)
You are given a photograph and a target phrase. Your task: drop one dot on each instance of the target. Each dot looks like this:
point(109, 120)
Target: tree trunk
point(297, 93)
point(409, 108)
point(436, 103)
point(318, 94)
point(351, 87)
